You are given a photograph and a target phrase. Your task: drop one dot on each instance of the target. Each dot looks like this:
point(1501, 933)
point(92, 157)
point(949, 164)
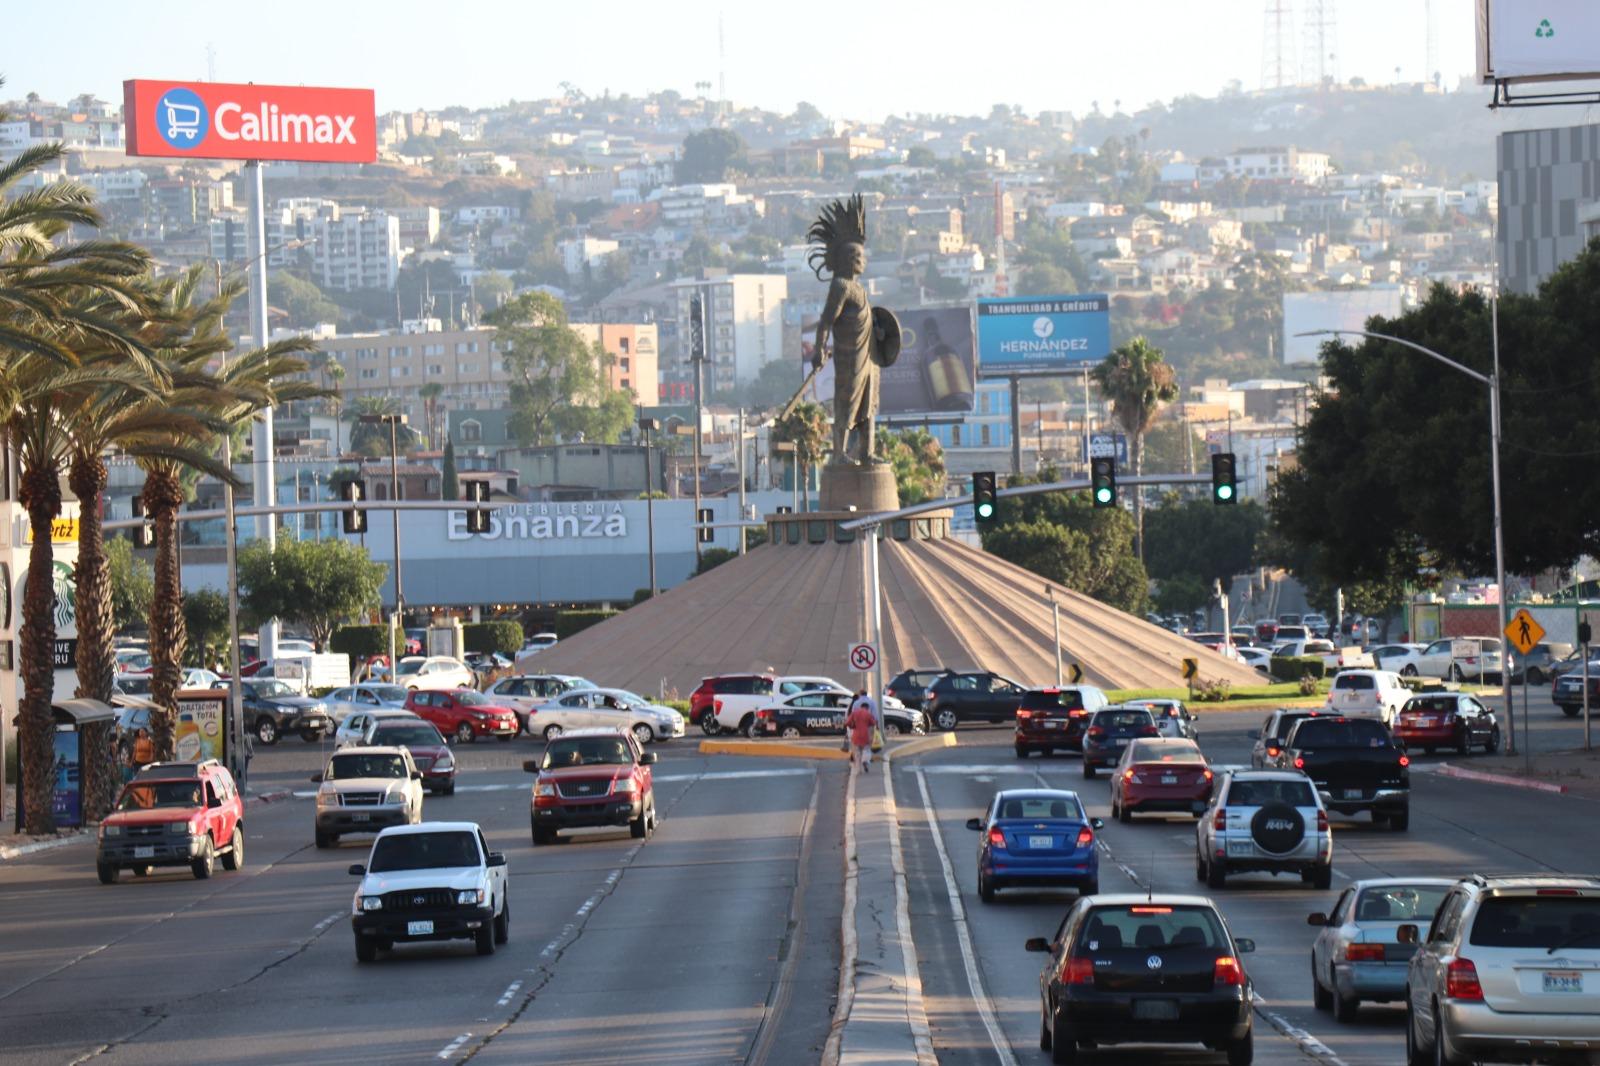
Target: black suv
point(972, 696)
point(911, 686)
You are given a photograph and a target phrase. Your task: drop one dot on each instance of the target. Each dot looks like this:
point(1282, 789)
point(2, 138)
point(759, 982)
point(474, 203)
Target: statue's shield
point(885, 337)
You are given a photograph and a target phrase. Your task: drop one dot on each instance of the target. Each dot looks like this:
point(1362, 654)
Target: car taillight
point(997, 837)
point(1207, 774)
point(1023, 713)
point(1299, 763)
point(1078, 971)
point(1227, 972)
point(1086, 837)
point(1405, 760)
point(1096, 731)
point(718, 705)
point(1128, 775)
point(1221, 821)
point(1149, 731)
point(1322, 821)
point(1461, 981)
point(1272, 751)
point(1076, 714)
point(1364, 953)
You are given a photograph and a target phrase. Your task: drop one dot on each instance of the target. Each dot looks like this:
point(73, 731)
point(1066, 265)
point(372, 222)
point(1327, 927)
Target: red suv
point(755, 688)
point(589, 778)
point(174, 814)
point(463, 714)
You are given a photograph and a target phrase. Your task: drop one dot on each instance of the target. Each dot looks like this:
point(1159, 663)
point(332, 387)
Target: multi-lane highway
point(715, 941)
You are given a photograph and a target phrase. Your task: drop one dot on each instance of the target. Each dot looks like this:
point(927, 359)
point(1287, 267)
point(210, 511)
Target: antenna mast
point(1277, 45)
point(722, 76)
point(1321, 67)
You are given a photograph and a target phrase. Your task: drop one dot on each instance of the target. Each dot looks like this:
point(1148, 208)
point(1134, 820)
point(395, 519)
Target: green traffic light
point(1224, 492)
point(1103, 494)
point(985, 510)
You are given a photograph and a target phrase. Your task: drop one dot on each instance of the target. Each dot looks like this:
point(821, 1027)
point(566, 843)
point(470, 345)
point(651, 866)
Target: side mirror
point(649, 758)
point(975, 823)
point(1096, 823)
point(1407, 934)
point(416, 775)
point(497, 858)
point(1317, 918)
point(1243, 945)
point(358, 870)
point(530, 766)
point(1037, 943)
point(316, 779)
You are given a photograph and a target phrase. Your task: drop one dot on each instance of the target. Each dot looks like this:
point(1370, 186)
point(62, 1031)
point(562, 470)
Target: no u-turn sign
point(863, 657)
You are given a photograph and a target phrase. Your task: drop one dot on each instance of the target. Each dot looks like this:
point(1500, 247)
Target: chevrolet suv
point(365, 790)
point(590, 778)
point(173, 814)
point(1270, 820)
point(1509, 971)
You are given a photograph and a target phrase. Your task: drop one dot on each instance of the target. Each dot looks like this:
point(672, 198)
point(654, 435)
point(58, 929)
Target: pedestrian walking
point(860, 723)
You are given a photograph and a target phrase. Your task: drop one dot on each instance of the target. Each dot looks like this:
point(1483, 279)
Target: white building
point(744, 326)
point(1268, 164)
point(581, 252)
point(357, 251)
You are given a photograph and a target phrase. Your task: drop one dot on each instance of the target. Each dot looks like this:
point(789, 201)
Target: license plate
point(1155, 1009)
point(1352, 793)
point(1041, 842)
point(419, 928)
point(1564, 982)
point(1051, 724)
point(1168, 779)
point(1240, 847)
point(361, 817)
point(144, 853)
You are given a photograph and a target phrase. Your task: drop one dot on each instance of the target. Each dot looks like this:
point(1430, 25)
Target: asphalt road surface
point(714, 942)
point(1457, 827)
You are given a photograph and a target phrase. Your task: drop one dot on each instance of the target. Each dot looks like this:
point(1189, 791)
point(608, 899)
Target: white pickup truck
point(433, 881)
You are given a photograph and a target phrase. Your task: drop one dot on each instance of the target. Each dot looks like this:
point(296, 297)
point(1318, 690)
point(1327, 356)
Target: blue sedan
point(1037, 838)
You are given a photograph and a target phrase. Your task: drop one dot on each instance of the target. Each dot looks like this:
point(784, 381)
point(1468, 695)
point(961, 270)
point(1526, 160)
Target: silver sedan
point(1357, 956)
point(343, 702)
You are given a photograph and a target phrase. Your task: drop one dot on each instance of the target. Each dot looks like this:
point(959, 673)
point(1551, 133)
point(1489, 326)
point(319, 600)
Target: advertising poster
point(67, 804)
point(934, 375)
point(215, 120)
point(1042, 334)
point(200, 733)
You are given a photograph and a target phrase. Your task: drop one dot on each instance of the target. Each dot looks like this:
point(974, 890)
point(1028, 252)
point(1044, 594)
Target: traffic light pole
point(1071, 485)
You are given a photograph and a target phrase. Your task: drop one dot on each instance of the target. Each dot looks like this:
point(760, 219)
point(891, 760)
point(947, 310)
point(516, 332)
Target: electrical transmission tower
point(1320, 66)
point(1277, 45)
point(1430, 70)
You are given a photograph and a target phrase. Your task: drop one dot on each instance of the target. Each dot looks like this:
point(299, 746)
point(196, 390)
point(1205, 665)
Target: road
point(1457, 827)
point(716, 941)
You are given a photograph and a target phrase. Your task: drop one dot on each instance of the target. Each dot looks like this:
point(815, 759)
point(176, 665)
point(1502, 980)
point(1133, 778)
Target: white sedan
point(605, 708)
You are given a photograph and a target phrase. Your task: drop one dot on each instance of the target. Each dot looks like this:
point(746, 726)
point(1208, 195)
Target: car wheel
point(1044, 1032)
point(1322, 878)
point(551, 732)
point(945, 719)
point(1492, 745)
point(448, 790)
point(206, 861)
point(266, 730)
point(1199, 867)
point(1344, 1009)
point(1414, 1052)
point(485, 938)
point(643, 734)
point(1088, 770)
point(1441, 1052)
point(1321, 998)
point(366, 949)
point(1243, 1052)
point(985, 887)
point(234, 859)
point(107, 874)
point(1022, 753)
point(1408, 671)
point(1570, 711)
point(639, 827)
point(502, 923)
point(1089, 888)
point(748, 727)
point(1455, 673)
point(1535, 676)
point(892, 729)
point(326, 840)
point(1124, 815)
point(790, 731)
point(464, 734)
point(1401, 821)
point(1463, 741)
point(1216, 874)
point(1063, 1045)
point(708, 723)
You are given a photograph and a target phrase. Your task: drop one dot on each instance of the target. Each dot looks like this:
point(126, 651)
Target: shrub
point(1293, 668)
point(503, 636)
point(1206, 691)
point(360, 641)
point(569, 622)
point(1308, 685)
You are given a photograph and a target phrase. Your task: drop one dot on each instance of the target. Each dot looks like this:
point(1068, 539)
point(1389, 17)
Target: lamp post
point(394, 422)
point(646, 427)
point(1493, 381)
point(794, 467)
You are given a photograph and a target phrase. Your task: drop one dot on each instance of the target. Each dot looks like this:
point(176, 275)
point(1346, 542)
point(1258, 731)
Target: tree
point(559, 383)
point(304, 303)
point(371, 439)
point(917, 458)
point(336, 380)
point(205, 618)
point(492, 290)
point(1137, 380)
point(430, 394)
point(709, 154)
point(449, 484)
point(1200, 540)
point(806, 427)
point(711, 558)
point(132, 582)
point(317, 584)
point(775, 383)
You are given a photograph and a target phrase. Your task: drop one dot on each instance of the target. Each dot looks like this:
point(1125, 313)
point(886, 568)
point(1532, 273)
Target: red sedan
point(1161, 774)
point(464, 715)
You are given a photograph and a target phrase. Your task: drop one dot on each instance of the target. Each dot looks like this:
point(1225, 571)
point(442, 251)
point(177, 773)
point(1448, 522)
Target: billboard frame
point(1484, 25)
point(1042, 369)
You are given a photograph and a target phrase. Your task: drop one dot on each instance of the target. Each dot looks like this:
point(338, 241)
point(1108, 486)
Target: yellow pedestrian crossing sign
point(1524, 631)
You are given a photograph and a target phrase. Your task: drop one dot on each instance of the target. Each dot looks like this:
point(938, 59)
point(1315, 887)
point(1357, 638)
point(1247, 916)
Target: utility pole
point(742, 547)
point(697, 336)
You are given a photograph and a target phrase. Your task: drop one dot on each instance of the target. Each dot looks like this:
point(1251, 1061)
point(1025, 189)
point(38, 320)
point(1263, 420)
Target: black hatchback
point(972, 696)
point(1139, 969)
point(1112, 729)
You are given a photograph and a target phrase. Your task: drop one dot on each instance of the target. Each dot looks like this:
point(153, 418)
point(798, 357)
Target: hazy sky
point(865, 60)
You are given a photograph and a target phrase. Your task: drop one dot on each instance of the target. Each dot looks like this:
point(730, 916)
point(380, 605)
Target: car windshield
point(1124, 720)
point(471, 699)
point(631, 699)
point(407, 735)
point(388, 693)
point(423, 851)
point(345, 767)
point(1260, 793)
point(1041, 806)
point(1145, 926)
point(154, 794)
point(1171, 751)
point(1538, 922)
point(1046, 699)
point(1399, 903)
point(271, 688)
point(1286, 724)
point(408, 666)
point(586, 751)
point(1432, 704)
point(1355, 681)
point(1341, 733)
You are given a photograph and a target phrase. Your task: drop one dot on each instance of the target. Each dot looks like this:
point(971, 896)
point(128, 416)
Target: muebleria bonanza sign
point(546, 521)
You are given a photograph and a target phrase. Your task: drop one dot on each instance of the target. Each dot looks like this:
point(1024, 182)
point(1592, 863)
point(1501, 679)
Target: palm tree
point(1137, 379)
point(806, 427)
point(430, 394)
point(336, 376)
point(370, 439)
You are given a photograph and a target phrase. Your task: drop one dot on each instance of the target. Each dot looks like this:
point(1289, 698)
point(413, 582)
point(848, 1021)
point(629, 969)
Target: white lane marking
point(511, 990)
point(454, 1045)
point(916, 1008)
point(329, 920)
point(980, 995)
point(594, 901)
point(550, 948)
point(1307, 1043)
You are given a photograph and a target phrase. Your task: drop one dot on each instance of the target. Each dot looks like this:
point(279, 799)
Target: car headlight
point(111, 830)
point(444, 762)
point(372, 903)
point(479, 714)
point(327, 797)
point(470, 896)
point(544, 788)
point(628, 785)
point(181, 828)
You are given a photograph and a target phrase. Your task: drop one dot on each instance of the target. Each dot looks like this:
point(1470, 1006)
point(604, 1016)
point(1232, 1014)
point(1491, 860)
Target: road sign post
point(863, 657)
point(1524, 632)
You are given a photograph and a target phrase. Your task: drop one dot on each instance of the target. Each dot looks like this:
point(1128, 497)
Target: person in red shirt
point(860, 722)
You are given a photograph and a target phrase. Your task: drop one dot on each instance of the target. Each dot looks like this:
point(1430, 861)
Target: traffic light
point(985, 502)
point(1224, 480)
point(703, 518)
point(697, 327)
point(477, 517)
point(1103, 481)
point(143, 535)
point(355, 520)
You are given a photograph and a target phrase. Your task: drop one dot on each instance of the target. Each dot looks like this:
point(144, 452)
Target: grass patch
point(1247, 694)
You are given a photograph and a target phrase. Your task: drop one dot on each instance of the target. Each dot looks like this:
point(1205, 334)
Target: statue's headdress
point(842, 223)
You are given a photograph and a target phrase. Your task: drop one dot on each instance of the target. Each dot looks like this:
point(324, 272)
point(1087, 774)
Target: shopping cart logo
point(182, 118)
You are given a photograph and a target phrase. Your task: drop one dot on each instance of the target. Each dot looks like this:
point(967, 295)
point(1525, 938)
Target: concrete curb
point(772, 748)
point(17, 851)
point(920, 745)
point(1446, 770)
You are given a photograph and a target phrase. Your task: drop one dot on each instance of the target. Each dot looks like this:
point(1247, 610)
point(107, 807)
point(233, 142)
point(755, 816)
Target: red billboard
point(214, 120)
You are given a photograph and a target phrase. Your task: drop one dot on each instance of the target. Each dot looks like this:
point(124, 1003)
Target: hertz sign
point(214, 120)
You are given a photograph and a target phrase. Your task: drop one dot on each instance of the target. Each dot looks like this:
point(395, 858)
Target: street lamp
point(794, 466)
point(394, 422)
point(646, 427)
point(1493, 381)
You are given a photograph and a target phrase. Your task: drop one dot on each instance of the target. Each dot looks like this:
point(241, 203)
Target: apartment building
point(744, 327)
point(358, 250)
point(1549, 181)
point(634, 350)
